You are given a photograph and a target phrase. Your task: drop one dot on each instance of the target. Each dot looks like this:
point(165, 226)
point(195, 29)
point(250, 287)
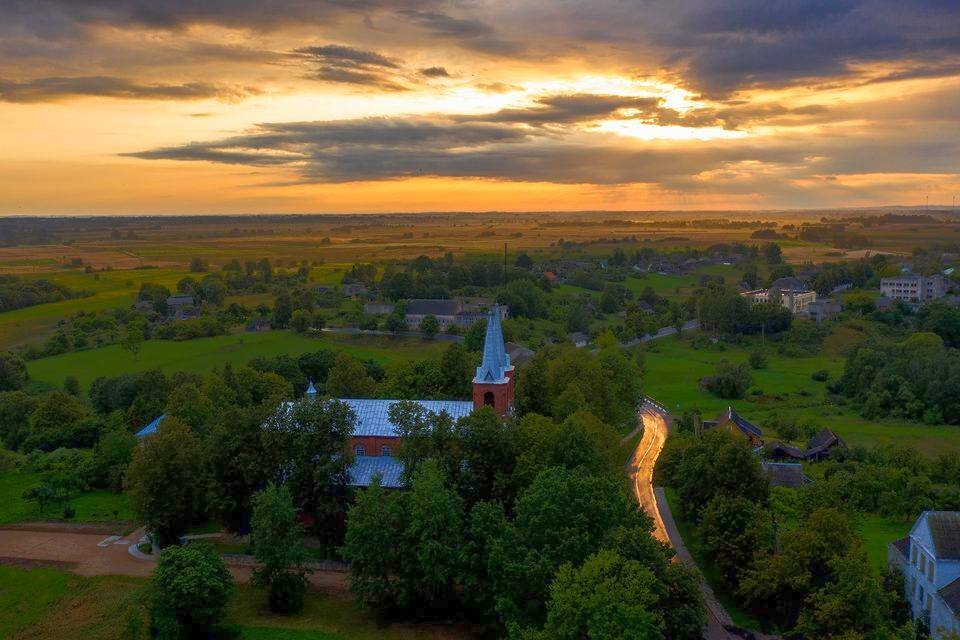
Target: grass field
point(204, 354)
point(877, 532)
point(92, 506)
point(38, 604)
point(674, 369)
point(27, 596)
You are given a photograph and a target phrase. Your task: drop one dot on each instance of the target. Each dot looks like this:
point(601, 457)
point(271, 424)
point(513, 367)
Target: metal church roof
point(373, 416)
point(152, 427)
point(365, 468)
point(496, 363)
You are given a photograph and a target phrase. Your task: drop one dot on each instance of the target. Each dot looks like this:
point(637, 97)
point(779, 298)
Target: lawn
point(877, 532)
point(674, 368)
point(92, 506)
point(204, 354)
point(38, 604)
point(27, 596)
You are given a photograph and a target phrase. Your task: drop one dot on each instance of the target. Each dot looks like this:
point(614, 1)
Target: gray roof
point(420, 307)
point(365, 468)
point(945, 532)
point(518, 353)
point(373, 416)
point(789, 283)
point(785, 474)
point(742, 423)
point(823, 439)
point(951, 596)
point(903, 546)
point(495, 364)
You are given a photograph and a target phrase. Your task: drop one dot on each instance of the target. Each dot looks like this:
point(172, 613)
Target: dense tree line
point(917, 378)
point(17, 293)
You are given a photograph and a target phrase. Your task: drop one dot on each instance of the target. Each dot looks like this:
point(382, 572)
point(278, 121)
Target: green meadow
point(674, 368)
point(203, 354)
point(92, 506)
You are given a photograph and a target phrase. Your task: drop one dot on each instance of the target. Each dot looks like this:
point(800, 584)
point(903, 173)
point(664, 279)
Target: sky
point(249, 106)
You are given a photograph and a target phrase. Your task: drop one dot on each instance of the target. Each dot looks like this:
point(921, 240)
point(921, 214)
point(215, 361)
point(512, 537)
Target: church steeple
point(493, 383)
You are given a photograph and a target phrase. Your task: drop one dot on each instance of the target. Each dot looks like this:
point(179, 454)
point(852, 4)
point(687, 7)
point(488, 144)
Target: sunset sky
point(233, 106)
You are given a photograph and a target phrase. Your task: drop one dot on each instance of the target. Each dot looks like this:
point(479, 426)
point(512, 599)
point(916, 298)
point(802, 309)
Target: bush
point(820, 376)
point(286, 593)
point(730, 381)
point(758, 360)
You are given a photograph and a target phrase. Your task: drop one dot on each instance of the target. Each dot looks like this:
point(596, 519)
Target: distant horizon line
point(529, 212)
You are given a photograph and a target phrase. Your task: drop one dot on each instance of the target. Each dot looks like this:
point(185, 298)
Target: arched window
point(385, 450)
point(359, 451)
point(488, 398)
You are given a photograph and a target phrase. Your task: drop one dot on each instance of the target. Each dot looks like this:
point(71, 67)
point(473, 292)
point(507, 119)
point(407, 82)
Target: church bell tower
point(493, 384)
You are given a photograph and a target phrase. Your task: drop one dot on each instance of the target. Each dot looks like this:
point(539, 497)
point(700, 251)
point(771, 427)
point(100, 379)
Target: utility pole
point(504, 263)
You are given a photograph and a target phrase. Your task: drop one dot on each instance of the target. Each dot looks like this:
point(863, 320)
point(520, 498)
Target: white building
point(913, 288)
point(929, 558)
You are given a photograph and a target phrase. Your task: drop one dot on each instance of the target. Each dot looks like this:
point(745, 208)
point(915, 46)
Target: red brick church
point(375, 439)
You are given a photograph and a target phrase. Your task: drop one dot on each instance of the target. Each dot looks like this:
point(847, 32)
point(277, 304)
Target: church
point(375, 439)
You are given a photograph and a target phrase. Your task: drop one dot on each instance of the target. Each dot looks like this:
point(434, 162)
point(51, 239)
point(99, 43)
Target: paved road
point(655, 431)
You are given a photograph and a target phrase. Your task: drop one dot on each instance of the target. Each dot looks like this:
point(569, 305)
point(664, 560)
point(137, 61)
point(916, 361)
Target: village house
point(736, 425)
point(785, 474)
point(929, 559)
point(820, 447)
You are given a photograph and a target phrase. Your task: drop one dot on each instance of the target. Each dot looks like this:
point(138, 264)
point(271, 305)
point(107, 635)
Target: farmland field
point(203, 354)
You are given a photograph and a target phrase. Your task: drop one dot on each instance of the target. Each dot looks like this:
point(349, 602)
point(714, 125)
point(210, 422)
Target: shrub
point(730, 381)
point(758, 360)
point(820, 376)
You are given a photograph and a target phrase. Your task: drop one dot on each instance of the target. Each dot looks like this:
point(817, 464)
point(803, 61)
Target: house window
point(385, 450)
point(913, 588)
point(923, 564)
point(930, 574)
point(359, 451)
point(913, 554)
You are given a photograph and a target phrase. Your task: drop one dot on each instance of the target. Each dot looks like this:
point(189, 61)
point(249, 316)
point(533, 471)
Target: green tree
point(278, 546)
point(309, 439)
point(132, 342)
point(190, 590)
point(456, 370)
point(732, 533)
point(607, 598)
point(15, 410)
point(13, 372)
point(113, 453)
point(60, 420)
point(429, 326)
point(372, 546)
point(348, 378)
point(166, 481)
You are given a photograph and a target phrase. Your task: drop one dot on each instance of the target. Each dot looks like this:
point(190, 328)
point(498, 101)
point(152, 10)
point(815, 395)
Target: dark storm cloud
point(176, 14)
point(469, 33)
point(434, 72)
point(343, 64)
point(770, 43)
point(53, 89)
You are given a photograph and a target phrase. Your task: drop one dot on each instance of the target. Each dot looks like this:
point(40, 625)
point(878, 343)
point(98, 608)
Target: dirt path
point(94, 554)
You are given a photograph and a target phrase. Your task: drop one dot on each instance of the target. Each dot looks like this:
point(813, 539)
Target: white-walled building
point(913, 288)
point(929, 558)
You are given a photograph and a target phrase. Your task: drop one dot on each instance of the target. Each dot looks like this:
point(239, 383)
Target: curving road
point(641, 466)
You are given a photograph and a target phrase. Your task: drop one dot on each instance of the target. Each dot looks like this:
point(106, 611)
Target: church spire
point(493, 384)
point(496, 362)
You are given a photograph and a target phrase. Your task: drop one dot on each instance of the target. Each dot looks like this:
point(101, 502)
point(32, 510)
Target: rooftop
point(951, 596)
point(785, 474)
point(152, 427)
point(945, 533)
point(422, 307)
point(365, 468)
point(373, 415)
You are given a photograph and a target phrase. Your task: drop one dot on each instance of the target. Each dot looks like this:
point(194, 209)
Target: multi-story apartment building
point(913, 288)
point(929, 558)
